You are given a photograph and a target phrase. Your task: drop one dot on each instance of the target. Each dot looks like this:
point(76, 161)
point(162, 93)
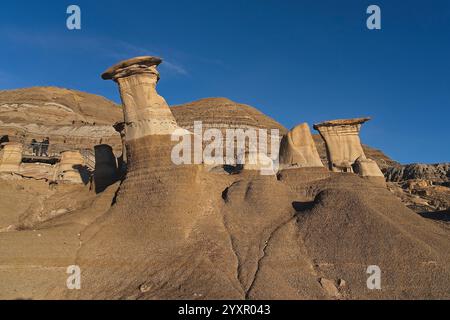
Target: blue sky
point(297, 61)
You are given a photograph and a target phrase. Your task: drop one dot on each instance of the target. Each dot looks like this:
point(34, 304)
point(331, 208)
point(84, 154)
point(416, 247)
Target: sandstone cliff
point(71, 119)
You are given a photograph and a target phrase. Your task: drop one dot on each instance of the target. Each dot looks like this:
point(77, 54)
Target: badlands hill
point(71, 119)
point(83, 119)
point(56, 106)
point(185, 232)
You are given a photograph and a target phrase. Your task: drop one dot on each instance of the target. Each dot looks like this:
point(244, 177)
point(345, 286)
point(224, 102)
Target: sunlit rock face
point(70, 167)
point(11, 157)
point(342, 141)
point(71, 119)
point(181, 232)
point(367, 168)
point(145, 111)
point(299, 149)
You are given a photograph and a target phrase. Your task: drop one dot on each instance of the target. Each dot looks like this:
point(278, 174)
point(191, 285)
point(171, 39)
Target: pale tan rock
point(69, 168)
point(367, 168)
point(261, 162)
point(342, 142)
point(37, 171)
point(298, 148)
point(330, 287)
point(145, 111)
point(11, 157)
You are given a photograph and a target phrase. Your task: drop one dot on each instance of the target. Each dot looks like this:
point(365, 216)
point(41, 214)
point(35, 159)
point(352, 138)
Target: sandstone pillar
point(11, 157)
point(298, 149)
point(145, 111)
point(70, 167)
point(342, 142)
point(105, 173)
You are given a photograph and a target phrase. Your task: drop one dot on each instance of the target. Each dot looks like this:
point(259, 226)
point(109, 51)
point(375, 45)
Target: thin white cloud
point(129, 50)
point(104, 46)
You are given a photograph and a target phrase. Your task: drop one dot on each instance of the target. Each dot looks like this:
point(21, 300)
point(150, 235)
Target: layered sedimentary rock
point(298, 148)
point(71, 119)
point(344, 150)
point(436, 173)
point(146, 112)
point(70, 167)
point(62, 137)
point(231, 119)
point(11, 157)
point(367, 168)
point(180, 232)
point(77, 120)
point(56, 106)
point(153, 183)
point(342, 141)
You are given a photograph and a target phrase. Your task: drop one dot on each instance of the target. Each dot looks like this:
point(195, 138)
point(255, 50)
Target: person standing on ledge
point(35, 146)
point(44, 147)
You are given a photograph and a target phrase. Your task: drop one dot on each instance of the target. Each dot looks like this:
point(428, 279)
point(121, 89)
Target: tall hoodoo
point(145, 111)
point(342, 141)
point(344, 149)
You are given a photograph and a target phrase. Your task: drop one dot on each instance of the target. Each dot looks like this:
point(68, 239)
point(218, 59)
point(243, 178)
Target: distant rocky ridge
point(424, 188)
point(437, 173)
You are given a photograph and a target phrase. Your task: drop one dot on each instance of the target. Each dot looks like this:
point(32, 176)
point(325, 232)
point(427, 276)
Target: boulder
point(298, 148)
point(11, 157)
point(69, 169)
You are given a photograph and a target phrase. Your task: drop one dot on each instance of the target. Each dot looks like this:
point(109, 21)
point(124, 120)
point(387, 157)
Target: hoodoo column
point(344, 149)
point(342, 142)
point(145, 111)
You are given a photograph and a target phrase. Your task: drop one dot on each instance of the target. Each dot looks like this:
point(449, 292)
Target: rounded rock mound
point(56, 106)
point(223, 113)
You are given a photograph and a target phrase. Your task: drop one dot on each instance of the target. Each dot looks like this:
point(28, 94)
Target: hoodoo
point(152, 185)
point(145, 111)
point(342, 141)
point(171, 231)
point(344, 149)
point(298, 148)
